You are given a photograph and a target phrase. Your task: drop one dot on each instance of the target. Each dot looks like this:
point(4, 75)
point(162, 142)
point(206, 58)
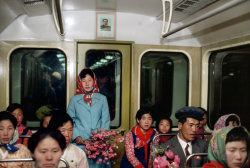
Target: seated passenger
point(185, 142)
point(227, 120)
point(9, 149)
point(202, 125)
point(47, 147)
point(164, 126)
point(45, 121)
point(138, 142)
point(75, 156)
point(228, 148)
point(16, 110)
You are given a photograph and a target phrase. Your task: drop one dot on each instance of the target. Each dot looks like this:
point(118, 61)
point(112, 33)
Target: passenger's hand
point(79, 140)
point(3, 165)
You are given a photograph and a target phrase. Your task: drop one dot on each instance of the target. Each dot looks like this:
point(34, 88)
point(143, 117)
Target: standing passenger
point(138, 142)
point(88, 109)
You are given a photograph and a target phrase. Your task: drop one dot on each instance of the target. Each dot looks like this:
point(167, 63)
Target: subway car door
point(111, 63)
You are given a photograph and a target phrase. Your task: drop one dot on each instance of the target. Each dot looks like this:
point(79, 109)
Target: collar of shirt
point(184, 144)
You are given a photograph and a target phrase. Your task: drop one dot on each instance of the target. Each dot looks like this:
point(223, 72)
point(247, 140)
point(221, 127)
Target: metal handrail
point(206, 16)
point(30, 160)
point(192, 155)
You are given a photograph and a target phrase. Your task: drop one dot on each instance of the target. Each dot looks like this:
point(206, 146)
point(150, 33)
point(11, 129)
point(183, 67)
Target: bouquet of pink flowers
point(165, 158)
point(102, 144)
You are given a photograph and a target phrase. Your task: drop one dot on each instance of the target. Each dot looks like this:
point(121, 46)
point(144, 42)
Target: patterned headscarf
point(221, 122)
point(87, 95)
point(217, 145)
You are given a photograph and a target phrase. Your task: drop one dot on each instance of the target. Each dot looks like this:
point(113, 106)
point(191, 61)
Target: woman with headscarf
point(228, 148)
point(9, 149)
point(227, 120)
point(88, 109)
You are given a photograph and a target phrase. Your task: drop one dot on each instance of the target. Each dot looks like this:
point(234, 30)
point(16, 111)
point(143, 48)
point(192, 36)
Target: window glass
point(107, 65)
point(37, 81)
point(229, 89)
point(164, 83)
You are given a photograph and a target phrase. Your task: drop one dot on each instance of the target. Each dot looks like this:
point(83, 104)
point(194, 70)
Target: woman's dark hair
point(12, 107)
point(44, 133)
point(46, 115)
point(59, 119)
point(232, 118)
point(238, 134)
point(143, 111)
point(86, 71)
point(4, 115)
point(164, 118)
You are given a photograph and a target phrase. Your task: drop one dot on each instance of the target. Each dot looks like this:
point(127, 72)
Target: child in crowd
point(16, 110)
point(202, 125)
point(164, 126)
point(138, 142)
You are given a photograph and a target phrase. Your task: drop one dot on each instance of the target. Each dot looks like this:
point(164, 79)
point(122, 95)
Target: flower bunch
point(165, 158)
point(102, 144)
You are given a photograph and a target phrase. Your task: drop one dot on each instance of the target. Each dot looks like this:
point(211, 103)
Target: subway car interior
point(164, 54)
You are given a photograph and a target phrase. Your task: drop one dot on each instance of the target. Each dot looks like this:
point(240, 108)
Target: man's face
point(105, 22)
point(188, 129)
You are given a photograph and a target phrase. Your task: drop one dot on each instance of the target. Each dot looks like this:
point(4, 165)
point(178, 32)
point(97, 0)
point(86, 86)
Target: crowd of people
point(62, 135)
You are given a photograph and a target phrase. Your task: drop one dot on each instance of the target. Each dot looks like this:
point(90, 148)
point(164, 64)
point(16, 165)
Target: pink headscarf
point(221, 122)
point(87, 96)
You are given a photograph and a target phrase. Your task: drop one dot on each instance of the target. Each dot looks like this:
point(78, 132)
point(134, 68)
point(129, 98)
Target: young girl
point(164, 126)
point(138, 142)
point(16, 110)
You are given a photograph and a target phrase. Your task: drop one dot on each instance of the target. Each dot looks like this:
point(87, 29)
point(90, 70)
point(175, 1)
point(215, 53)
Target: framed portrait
point(105, 25)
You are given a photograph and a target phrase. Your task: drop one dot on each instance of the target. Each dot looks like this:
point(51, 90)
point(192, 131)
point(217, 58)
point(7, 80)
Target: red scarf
point(144, 138)
point(164, 139)
point(87, 96)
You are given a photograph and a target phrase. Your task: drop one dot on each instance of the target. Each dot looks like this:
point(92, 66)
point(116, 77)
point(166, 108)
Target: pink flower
point(102, 145)
point(169, 154)
point(177, 159)
point(160, 162)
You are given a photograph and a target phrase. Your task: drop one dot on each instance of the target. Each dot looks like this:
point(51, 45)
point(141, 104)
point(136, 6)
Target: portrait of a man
point(105, 26)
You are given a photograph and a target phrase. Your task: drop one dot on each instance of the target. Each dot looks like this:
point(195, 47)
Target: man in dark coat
point(185, 142)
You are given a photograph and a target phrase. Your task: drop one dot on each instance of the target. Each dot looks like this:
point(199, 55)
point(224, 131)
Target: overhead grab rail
point(193, 155)
point(57, 15)
point(164, 16)
point(30, 160)
point(201, 18)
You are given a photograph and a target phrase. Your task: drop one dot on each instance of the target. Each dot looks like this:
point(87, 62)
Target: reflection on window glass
point(37, 81)
point(107, 65)
point(229, 89)
point(164, 83)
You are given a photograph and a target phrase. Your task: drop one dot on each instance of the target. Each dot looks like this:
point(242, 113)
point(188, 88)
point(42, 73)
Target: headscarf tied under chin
point(217, 145)
point(10, 147)
point(87, 95)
